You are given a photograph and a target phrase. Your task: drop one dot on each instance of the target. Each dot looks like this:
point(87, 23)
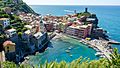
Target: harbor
point(64, 48)
point(103, 47)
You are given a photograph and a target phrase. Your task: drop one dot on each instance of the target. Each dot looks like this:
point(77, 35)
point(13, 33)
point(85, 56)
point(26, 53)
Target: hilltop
point(16, 5)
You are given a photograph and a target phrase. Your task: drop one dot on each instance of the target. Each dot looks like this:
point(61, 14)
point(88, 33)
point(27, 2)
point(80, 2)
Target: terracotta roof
point(6, 43)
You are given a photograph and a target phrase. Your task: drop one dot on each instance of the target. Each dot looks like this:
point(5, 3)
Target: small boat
point(102, 56)
point(70, 48)
point(37, 53)
point(71, 55)
point(27, 58)
point(67, 51)
point(98, 54)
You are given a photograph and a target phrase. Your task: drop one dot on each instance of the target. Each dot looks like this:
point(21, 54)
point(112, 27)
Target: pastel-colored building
point(84, 31)
point(11, 32)
point(9, 46)
point(10, 50)
point(72, 30)
point(5, 22)
point(28, 26)
point(90, 28)
point(79, 31)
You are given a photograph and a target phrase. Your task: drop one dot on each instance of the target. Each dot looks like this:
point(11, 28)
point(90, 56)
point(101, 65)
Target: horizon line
point(75, 5)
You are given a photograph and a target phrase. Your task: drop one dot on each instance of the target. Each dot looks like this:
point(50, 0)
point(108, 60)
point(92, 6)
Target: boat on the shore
point(27, 58)
point(102, 56)
point(67, 51)
point(70, 47)
point(71, 55)
point(99, 54)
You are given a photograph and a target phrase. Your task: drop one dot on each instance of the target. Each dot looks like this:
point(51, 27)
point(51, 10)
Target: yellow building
point(9, 46)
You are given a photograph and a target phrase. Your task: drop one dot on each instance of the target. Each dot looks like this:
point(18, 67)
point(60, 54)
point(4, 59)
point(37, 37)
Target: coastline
point(101, 46)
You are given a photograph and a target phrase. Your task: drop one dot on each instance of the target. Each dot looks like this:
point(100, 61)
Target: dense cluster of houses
point(73, 25)
point(35, 38)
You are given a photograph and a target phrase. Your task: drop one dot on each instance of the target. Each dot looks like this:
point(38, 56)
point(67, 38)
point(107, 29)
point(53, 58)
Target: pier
point(113, 42)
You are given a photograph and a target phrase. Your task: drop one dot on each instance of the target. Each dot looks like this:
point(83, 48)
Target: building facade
point(5, 22)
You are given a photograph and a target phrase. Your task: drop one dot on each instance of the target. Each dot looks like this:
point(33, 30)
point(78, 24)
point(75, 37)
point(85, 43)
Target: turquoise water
point(58, 52)
point(109, 19)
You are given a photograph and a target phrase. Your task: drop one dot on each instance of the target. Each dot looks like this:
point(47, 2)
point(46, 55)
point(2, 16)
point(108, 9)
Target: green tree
point(24, 29)
point(8, 64)
point(115, 59)
point(2, 38)
point(1, 27)
point(8, 27)
point(5, 15)
point(20, 35)
point(19, 30)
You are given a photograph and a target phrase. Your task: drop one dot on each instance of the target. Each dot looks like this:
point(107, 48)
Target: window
point(5, 23)
point(7, 49)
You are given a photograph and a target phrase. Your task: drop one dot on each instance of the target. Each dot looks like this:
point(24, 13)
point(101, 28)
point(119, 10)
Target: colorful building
point(79, 31)
point(10, 50)
point(9, 46)
point(72, 30)
point(84, 31)
point(5, 22)
point(11, 32)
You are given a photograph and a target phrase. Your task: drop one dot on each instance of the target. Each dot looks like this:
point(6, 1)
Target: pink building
point(84, 31)
point(79, 31)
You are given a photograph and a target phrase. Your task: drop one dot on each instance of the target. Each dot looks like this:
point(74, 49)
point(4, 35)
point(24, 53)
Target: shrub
point(24, 29)
point(19, 30)
point(8, 27)
point(5, 15)
point(20, 35)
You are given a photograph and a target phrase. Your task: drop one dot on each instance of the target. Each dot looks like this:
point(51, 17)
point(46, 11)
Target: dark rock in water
point(50, 45)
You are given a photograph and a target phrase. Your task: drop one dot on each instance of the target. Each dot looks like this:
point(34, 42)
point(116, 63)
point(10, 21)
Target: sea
point(109, 19)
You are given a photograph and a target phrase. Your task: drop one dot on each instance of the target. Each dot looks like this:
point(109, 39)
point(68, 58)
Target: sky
point(72, 2)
